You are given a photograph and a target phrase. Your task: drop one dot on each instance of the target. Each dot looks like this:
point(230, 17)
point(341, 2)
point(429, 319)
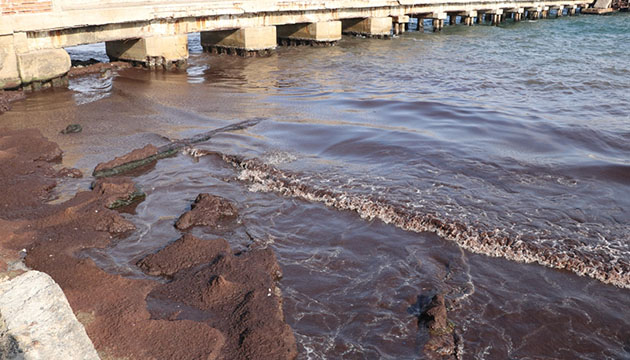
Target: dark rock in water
point(208, 210)
point(236, 294)
point(112, 167)
point(186, 252)
point(117, 192)
point(113, 223)
point(69, 172)
point(442, 341)
point(7, 97)
point(72, 129)
point(82, 63)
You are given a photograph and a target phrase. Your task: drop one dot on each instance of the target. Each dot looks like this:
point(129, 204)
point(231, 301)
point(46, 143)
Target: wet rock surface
point(136, 155)
point(442, 340)
point(207, 210)
point(113, 309)
point(7, 97)
point(239, 295)
point(72, 129)
point(92, 66)
point(117, 192)
point(184, 253)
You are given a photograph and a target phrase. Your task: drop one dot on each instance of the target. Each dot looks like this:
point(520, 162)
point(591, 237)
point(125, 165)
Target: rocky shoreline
point(212, 302)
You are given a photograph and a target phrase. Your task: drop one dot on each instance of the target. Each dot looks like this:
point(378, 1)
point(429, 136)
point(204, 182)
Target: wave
point(570, 255)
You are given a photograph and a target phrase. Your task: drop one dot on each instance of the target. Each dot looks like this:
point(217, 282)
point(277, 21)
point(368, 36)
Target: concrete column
point(560, 12)
point(243, 42)
point(371, 27)
point(452, 19)
point(9, 72)
point(399, 23)
point(314, 34)
point(480, 18)
point(153, 52)
point(420, 23)
point(438, 24)
point(572, 10)
point(31, 69)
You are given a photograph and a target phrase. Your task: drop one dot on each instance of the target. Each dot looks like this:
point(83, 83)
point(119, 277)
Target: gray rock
point(38, 321)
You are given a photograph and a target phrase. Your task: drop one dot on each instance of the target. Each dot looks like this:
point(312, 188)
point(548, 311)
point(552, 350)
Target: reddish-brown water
point(385, 171)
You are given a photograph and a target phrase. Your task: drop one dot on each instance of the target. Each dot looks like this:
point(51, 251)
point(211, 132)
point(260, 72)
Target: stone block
point(369, 27)
point(322, 31)
point(168, 49)
point(400, 19)
point(43, 65)
point(38, 321)
point(9, 73)
point(249, 39)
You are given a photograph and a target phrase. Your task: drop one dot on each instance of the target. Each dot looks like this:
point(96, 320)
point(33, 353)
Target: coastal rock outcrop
point(442, 340)
point(207, 210)
point(236, 294)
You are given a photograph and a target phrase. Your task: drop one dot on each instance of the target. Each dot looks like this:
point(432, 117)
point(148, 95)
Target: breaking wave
point(570, 255)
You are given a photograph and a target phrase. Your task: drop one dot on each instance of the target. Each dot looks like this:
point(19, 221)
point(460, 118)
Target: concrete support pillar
point(31, 69)
point(243, 42)
point(314, 34)
point(452, 19)
point(438, 21)
point(560, 12)
point(164, 52)
point(400, 23)
point(572, 10)
point(420, 23)
point(479, 19)
point(9, 72)
point(438, 25)
point(371, 27)
point(545, 12)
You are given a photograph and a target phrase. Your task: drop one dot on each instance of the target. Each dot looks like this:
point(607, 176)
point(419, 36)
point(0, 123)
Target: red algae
point(113, 308)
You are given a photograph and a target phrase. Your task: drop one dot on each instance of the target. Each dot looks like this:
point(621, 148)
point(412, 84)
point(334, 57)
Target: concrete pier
point(31, 69)
point(153, 52)
point(380, 27)
point(320, 33)
point(243, 42)
point(400, 24)
point(151, 32)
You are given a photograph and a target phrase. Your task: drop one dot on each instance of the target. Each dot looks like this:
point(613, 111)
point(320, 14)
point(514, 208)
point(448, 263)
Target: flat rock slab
point(40, 322)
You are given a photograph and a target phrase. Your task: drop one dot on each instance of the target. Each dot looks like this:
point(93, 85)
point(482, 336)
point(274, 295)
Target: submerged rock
point(117, 192)
point(442, 341)
point(72, 129)
point(132, 159)
point(236, 294)
point(39, 321)
point(207, 210)
point(184, 253)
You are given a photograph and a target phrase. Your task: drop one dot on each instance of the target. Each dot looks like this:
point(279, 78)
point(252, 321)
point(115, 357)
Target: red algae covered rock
point(184, 253)
point(207, 210)
point(117, 192)
point(234, 294)
point(137, 155)
point(442, 341)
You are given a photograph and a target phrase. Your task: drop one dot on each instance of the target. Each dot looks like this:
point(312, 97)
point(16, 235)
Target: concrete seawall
point(153, 33)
